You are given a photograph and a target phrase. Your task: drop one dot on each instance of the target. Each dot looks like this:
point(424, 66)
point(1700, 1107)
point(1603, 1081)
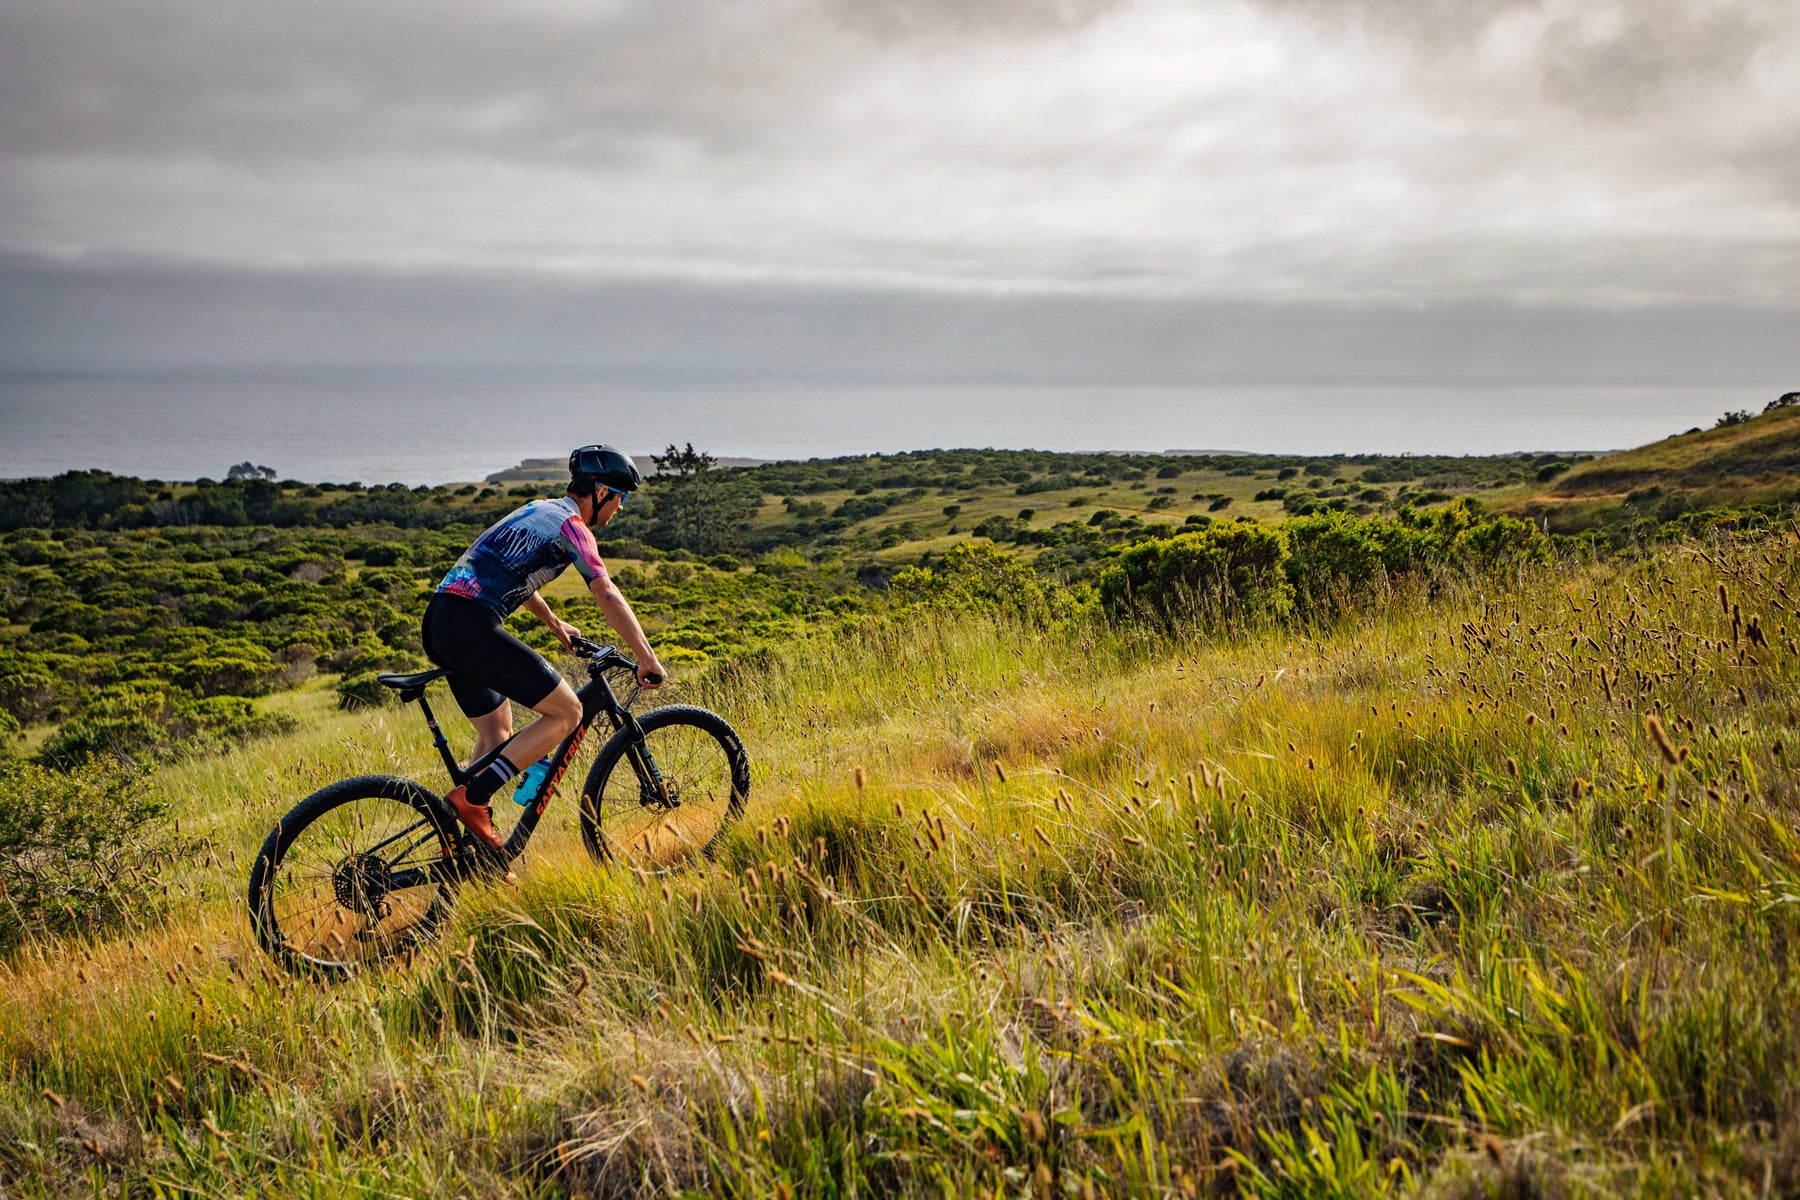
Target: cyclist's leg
point(489, 665)
point(558, 714)
point(453, 633)
point(491, 730)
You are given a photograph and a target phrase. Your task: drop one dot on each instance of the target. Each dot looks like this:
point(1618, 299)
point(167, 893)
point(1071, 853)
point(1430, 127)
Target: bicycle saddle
point(410, 686)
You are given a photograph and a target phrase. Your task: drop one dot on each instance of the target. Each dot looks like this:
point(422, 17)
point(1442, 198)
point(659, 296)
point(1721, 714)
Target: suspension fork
point(643, 762)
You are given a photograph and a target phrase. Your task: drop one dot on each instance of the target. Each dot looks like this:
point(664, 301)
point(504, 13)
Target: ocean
point(433, 426)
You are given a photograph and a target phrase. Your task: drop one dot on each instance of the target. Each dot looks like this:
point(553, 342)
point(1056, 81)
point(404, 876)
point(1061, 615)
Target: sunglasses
point(616, 492)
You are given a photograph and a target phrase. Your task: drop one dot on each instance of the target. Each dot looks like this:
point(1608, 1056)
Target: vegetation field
point(1403, 851)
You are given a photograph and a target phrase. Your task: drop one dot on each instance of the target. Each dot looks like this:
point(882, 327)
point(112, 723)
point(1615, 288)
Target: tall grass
point(1411, 901)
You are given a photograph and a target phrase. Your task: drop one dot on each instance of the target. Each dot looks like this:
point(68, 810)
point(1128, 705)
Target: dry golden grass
point(1410, 902)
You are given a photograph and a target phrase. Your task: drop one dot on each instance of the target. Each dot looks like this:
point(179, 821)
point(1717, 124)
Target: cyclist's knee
point(562, 708)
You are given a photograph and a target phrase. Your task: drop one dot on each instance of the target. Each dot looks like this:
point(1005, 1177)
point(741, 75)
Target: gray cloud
point(969, 18)
point(1608, 152)
point(123, 317)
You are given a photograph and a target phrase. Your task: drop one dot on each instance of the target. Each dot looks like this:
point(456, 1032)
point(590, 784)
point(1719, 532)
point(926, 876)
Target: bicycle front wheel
point(655, 802)
point(356, 872)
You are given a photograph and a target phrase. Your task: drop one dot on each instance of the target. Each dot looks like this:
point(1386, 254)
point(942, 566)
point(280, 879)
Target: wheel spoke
point(353, 883)
point(634, 822)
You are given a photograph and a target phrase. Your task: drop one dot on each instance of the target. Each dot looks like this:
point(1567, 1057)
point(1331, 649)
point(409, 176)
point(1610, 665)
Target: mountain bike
point(367, 868)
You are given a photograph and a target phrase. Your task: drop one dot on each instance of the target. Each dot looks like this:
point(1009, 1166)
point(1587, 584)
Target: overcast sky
point(310, 180)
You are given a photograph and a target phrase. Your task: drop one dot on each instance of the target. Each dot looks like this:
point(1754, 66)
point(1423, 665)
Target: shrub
point(361, 690)
point(384, 554)
point(79, 849)
point(977, 576)
point(358, 688)
point(1223, 570)
point(249, 672)
point(25, 693)
point(1335, 555)
point(142, 720)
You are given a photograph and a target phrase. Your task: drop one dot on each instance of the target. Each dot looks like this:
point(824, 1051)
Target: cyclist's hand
point(650, 674)
point(565, 633)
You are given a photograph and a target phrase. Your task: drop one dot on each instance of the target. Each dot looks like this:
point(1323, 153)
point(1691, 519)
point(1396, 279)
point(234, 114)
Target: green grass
point(1732, 466)
point(1406, 903)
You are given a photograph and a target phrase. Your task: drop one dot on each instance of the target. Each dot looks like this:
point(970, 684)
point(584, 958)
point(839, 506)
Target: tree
point(683, 463)
point(247, 470)
point(697, 508)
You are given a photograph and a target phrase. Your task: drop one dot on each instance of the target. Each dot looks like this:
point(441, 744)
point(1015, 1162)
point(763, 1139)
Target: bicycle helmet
point(605, 466)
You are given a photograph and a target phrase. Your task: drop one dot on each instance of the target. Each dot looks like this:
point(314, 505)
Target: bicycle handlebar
point(609, 656)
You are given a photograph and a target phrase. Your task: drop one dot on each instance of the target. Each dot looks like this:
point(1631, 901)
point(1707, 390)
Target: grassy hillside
point(1754, 462)
point(1408, 902)
point(137, 614)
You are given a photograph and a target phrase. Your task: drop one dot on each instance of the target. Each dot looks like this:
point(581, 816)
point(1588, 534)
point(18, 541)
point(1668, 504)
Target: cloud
point(60, 318)
point(1610, 152)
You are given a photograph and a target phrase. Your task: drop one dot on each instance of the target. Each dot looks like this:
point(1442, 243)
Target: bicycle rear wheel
point(355, 873)
point(656, 803)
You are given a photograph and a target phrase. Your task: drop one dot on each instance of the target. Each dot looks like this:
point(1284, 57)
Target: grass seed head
point(1660, 736)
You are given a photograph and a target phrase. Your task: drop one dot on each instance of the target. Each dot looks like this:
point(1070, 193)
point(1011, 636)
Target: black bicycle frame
point(597, 699)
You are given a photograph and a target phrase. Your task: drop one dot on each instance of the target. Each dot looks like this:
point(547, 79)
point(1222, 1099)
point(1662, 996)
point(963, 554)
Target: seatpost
point(439, 740)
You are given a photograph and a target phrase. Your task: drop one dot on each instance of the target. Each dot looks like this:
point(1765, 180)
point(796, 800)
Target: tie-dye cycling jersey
point(523, 551)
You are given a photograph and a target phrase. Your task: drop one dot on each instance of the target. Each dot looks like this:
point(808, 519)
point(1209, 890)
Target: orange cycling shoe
point(476, 816)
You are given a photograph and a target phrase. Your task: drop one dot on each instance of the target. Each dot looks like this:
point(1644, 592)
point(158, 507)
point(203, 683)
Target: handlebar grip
point(653, 679)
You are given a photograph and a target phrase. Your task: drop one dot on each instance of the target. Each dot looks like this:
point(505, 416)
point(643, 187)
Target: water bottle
point(532, 782)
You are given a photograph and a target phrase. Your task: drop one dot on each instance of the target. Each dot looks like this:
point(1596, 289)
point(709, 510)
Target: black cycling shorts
point(488, 665)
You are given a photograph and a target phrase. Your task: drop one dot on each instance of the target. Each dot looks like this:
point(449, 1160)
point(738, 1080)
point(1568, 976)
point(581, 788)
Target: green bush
point(977, 576)
point(358, 688)
point(25, 693)
point(1223, 570)
point(142, 720)
point(80, 850)
point(1334, 557)
point(361, 690)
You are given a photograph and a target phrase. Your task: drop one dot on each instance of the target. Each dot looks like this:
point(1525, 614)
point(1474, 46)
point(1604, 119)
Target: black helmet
point(605, 466)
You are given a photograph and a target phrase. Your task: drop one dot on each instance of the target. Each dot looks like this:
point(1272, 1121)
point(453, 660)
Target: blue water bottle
point(532, 782)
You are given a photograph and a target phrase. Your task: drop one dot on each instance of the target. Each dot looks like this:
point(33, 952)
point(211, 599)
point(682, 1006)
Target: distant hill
point(1752, 461)
point(539, 470)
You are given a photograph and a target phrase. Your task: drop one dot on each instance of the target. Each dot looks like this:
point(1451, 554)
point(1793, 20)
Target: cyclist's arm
point(537, 607)
point(624, 622)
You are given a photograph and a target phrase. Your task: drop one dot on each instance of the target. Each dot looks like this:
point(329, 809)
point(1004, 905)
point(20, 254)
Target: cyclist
point(501, 572)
